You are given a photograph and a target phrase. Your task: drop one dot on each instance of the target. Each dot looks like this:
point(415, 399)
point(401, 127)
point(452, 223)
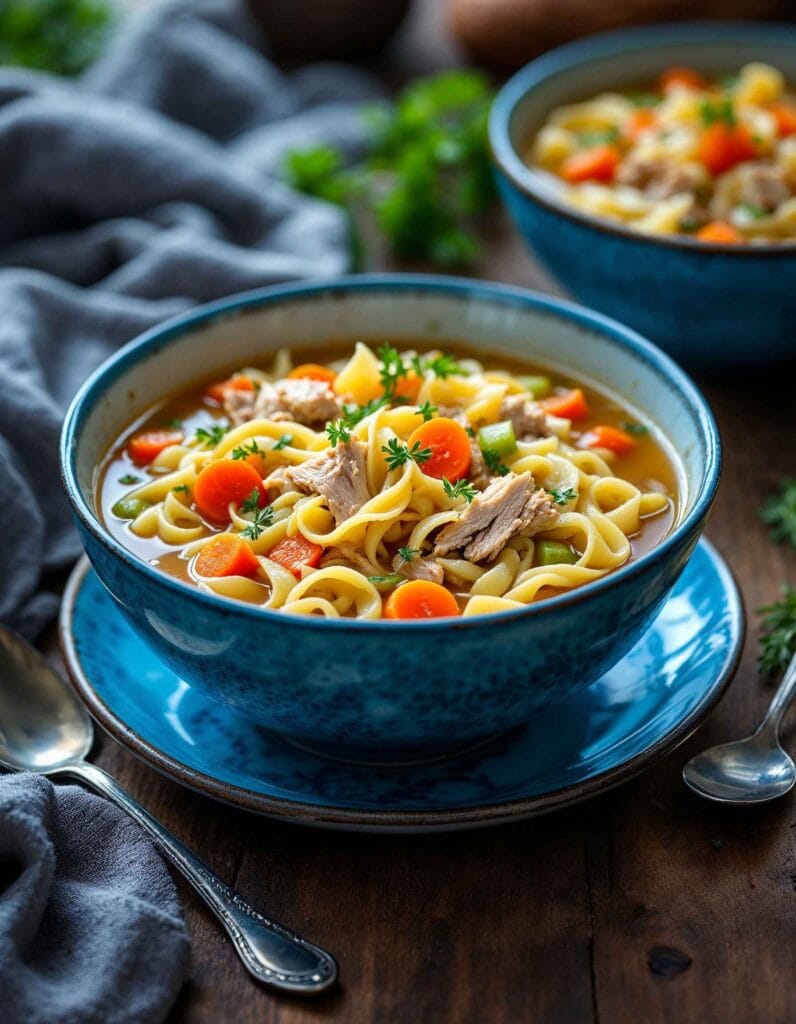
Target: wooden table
point(643, 905)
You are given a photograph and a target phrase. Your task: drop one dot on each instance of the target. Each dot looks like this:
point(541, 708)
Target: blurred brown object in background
point(306, 30)
point(508, 33)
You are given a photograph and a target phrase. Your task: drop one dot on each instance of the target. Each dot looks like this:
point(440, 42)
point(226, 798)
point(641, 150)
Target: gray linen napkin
point(90, 924)
point(149, 184)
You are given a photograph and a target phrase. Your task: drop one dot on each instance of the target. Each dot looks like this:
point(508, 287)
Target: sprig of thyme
point(398, 454)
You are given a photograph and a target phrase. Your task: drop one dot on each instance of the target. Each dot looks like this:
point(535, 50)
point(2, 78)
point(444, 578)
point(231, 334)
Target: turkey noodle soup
point(712, 159)
point(378, 483)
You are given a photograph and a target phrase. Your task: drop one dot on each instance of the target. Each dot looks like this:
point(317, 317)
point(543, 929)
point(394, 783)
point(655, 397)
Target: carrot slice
point(143, 448)
point(294, 552)
point(571, 406)
point(313, 371)
point(612, 438)
point(638, 122)
point(223, 482)
point(723, 145)
point(682, 78)
point(599, 163)
point(226, 555)
point(719, 231)
point(420, 599)
point(407, 387)
point(450, 448)
point(238, 382)
point(785, 116)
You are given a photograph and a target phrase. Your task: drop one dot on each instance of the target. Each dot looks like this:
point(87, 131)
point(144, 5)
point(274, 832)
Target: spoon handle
point(270, 952)
point(782, 698)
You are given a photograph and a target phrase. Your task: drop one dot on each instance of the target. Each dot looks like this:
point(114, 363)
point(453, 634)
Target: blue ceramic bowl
point(381, 690)
point(716, 307)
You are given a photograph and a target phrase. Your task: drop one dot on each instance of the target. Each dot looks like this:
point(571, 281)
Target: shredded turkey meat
point(339, 476)
point(310, 402)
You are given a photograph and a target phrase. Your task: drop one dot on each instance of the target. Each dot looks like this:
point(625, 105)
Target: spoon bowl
point(750, 771)
point(43, 725)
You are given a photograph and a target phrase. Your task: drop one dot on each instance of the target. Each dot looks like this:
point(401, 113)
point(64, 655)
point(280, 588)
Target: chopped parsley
point(779, 513)
point(392, 369)
point(443, 366)
point(336, 431)
point(129, 478)
point(252, 503)
point(461, 489)
point(398, 454)
point(494, 463)
point(427, 411)
point(243, 452)
point(720, 111)
point(637, 429)
point(211, 436)
point(778, 638)
point(262, 517)
point(180, 489)
point(563, 497)
point(408, 554)
point(283, 442)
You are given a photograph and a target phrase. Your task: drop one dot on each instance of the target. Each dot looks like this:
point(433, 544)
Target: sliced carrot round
point(612, 438)
point(719, 231)
point(420, 599)
point(294, 552)
point(722, 146)
point(598, 163)
point(313, 371)
point(223, 482)
point(143, 448)
point(238, 382)
point(785, 116)
point(450, 448)
point(408, 387)
point(571, 406)
point(681, 78)
point(226, 555)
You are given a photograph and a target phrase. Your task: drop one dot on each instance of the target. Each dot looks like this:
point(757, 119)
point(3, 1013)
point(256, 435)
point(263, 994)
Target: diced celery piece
point(129, 508)
point(539, 387)
point(498, 438)
point(550, 552)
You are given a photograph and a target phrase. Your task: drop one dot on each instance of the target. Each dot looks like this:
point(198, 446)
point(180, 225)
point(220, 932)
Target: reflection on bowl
point(382, 689)
point(714, 306)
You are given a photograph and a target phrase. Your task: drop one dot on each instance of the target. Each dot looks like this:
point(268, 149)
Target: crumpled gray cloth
point(149, 184)
point(90, 924)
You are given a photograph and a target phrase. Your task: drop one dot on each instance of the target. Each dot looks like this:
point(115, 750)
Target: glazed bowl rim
point(570, 57)
point(463, 289)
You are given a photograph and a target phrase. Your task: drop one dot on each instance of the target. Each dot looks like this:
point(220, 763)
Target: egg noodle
point(596, 516)
point(669, 178)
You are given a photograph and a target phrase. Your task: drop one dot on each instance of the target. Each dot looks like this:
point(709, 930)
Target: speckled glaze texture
point(646, 703)
point(722, 308)
point(389, 690)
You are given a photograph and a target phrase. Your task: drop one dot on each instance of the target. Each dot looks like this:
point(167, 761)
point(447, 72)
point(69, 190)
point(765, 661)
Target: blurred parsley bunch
point(60, 36)
point(426, 177)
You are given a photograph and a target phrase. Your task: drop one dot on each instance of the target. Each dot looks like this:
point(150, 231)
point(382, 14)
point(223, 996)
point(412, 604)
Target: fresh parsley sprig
point(244, 451)
point(461, 489)
point(637, 429)
point(283, 442)
point(427, 411)
point(779, 513)
point(129, 478)
point(209, 437)
point(338, 431)
point(494, 462)
point(778, 638)
point(392, 369)
point(262, 517)
point(408, 554)
point(399, 454)
point(563, 497)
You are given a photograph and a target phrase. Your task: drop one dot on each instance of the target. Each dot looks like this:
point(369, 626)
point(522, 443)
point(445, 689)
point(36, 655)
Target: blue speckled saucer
point(651, 701)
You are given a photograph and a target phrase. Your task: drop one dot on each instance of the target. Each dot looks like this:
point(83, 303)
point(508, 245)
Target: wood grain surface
point(642, 906)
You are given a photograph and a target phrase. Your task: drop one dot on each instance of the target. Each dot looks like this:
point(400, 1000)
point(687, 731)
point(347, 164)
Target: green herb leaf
point(461, 489)
point(180, 489)
point(779, 513)
point(60, 36)
point(443, 366)
point(637, 429)
point(720, 111)
point(283, 442)
point(494, 463)
point(211, 436)
point(174, 424)
point(778, 639)
point(427, 411)
point(408, 554)
point(244, 451)
point(262, 517)
point(392, 580)
point(336, 431)
point(751, 210)
point(392, 369)
point(563, 497)
point(128, 478)
point(252, 503)
point(398, 454)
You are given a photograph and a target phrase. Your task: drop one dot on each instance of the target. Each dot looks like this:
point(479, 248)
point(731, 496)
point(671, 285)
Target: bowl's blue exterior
point(710, 306)
point(369, 693)
point(382, 689)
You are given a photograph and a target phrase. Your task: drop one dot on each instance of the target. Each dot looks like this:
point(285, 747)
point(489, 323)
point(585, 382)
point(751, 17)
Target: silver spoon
point(44, 728)
point(753, 770)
